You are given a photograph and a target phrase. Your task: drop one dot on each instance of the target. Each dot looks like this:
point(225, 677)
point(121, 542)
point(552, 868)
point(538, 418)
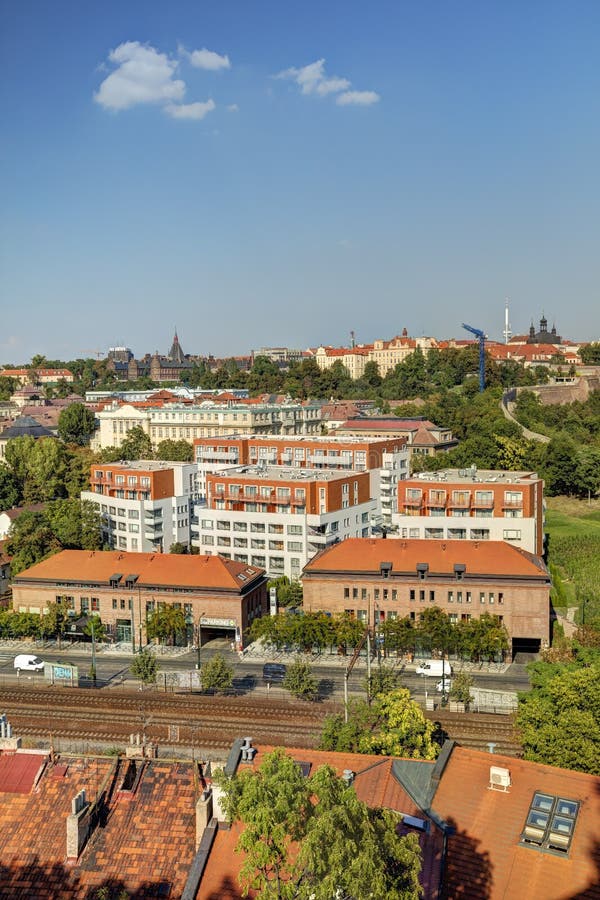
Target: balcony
point(413, 502)
point(463, 501)
point(225, 455)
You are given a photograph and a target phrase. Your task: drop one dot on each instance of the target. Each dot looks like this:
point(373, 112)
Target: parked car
point(274, 673)
point(26, 662)
point(444, 685)
point(434, 668)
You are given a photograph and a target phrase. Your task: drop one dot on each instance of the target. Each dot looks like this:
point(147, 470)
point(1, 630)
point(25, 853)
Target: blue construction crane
point(479, 334)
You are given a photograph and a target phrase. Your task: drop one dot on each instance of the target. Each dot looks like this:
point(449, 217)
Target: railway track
point(174, 719)
point(478, 730)
point(208, 723)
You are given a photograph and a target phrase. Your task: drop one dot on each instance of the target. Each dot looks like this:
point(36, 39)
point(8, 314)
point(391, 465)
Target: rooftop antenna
point(507, 332)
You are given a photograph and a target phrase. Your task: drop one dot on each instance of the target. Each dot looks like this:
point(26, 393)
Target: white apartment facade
point(281, 519)
point(175, 421)
point(145, 505)
point(473, 505)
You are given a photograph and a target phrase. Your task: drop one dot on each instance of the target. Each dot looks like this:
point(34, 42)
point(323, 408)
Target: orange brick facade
point(309, 495)
point(520, 600)
point(304, 453)
point(134, 484)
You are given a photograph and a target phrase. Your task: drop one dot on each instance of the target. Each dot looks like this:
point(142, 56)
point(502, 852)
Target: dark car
point(273, 673)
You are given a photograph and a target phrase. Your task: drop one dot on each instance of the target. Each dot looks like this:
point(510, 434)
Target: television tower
point(507, 332)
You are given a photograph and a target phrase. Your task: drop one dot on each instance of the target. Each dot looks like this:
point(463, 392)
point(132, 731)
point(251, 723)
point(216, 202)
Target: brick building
point(423, 437)
point(472, 504)
point(278, 519)
point(218, 596)
point(376, 579)
point(145, 505)
point(386, 459)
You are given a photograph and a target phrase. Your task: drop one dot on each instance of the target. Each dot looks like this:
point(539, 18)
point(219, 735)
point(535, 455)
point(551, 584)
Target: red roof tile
point(480, 557)
point(151, 568)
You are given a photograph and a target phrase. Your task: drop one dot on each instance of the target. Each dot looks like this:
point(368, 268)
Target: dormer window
point(422, 570)
point(459, 571)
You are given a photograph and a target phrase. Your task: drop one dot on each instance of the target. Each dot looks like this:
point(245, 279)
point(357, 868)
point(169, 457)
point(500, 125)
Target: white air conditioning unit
point(499, 778)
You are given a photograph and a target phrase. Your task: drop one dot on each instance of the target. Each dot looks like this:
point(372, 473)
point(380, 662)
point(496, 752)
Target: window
point(275, 529)
point(208, 539)
point(482, 597)
point(114, 603)
point(434, 533)
point(258, 527)
point(134, 528)
point(468, 598)
point(133, 514)
point(513, 498)
point(511, 534)
point(480, 534)
point(412, 594)
point(422, 596)
point(550, 822)
point(95, 604)
point(484, 498)
point(294, 546)
point(346, 593)
point(240, 542)
point(450, 596)
point(240, 526)
point(223, 525)
point(500, 597)
point(207, 524)
point(294, 529)
point(376, 593)
point(432, 596)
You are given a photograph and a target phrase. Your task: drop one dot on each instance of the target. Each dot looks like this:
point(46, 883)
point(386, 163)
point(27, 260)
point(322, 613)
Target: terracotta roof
point(152, 568)
point(365, 555)
point(144, 843)
point(15, 511)
point(485, 858)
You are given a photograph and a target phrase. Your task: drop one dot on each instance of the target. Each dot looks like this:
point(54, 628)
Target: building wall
point(461, 510)
point(523, 607)
point(281, 543)
point(122, 609)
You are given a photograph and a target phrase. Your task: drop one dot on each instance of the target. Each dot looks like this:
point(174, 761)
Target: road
point(114, 670)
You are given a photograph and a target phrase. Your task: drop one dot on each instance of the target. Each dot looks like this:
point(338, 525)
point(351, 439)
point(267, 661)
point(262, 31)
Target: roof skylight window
point(550, 823)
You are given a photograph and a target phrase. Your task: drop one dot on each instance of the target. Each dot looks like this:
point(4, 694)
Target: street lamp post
point(199, 662)
point(93, 653)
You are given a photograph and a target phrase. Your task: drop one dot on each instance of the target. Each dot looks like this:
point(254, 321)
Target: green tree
point(559, 468)
point(590, 354)
point(312, 838)
point(462, 683)
point(177, 451)
point(166, 623)
point(216, 674)
point(392, 725)
point(76, 424)
point(136, 445)
point(30, 540)
point(96, 626)
point(145, 666)
point(9, 488)
point(383, 680)
point(560, 718)
point(76, 524)
point(300, 681)
point(178, 548)
point(38, 466)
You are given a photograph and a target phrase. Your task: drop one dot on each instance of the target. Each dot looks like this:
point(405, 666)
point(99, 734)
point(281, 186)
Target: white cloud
point(189, 110)
point(233, 107)
point(312, 79)
point(357, 98)
point(143, 75)
point(208, 59)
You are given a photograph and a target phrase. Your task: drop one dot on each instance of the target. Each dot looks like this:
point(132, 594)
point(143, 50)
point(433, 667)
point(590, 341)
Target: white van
point(435, 668)
point(26, 662)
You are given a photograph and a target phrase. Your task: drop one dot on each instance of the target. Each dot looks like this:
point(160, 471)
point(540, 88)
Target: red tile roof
point(485, 858)
point(365, 555)
point(18, 771)
point(213, 572)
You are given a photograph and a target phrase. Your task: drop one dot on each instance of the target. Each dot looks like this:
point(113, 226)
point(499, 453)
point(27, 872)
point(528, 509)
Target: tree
point(460, 691)
point(393, 725)
point(166, 623)
point(136, 445)
point(30, 540)
point(590, 354)
point(559, 468)
point(178, 451)
point(38, 466)
point(560, 718)
point(76, 524)
point(217, 674)
point(76, 424)
point(95, 626)
point(313, 838)
point(9, 489)
point(300, 681)
point(145, 666)
point(383, 680)
point(178, 548)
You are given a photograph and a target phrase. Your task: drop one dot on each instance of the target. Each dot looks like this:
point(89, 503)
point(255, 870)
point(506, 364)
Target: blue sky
point(264, 173)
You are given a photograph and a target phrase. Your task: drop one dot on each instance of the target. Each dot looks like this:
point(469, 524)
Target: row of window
point(451, 595)
point(481, 498)
point(459, 534)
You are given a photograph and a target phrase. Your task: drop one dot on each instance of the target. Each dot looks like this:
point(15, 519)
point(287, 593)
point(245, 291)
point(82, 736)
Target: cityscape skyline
point(278, 176)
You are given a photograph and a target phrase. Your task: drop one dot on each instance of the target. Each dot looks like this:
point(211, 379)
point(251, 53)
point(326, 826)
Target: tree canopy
point(63, 525)
point(76, 424)
point(391, 725)
point(313, 839)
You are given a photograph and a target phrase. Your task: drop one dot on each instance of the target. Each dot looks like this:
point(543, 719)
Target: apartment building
point(375, 579)
point(386, 459)
point(387, 354)
point(178, 421)
point(276, 519)
point(145, 505)
point(218, 596)
point(474, 505)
